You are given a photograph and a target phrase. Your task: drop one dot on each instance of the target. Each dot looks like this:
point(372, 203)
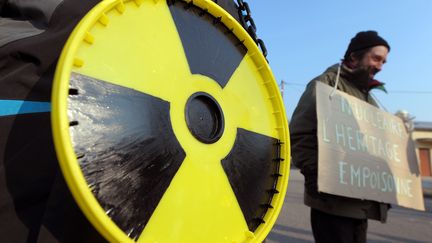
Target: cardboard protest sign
point(364, 152)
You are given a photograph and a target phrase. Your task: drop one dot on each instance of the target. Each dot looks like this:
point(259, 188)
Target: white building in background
point(422, 136)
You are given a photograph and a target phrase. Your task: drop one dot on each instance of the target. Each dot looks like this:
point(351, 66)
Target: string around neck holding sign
point(337, 80)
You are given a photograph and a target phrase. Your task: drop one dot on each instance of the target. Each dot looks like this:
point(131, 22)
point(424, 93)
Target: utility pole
point(282, 88)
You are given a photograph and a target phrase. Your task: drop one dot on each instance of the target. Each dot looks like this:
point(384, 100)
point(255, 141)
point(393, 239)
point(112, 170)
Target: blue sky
point(303, 38)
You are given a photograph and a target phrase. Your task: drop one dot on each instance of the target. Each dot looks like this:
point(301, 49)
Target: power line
point(389, 91)
point(409, 92)
point(295, 84)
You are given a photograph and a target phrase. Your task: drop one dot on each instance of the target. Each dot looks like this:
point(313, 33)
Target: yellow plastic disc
point(168, 124)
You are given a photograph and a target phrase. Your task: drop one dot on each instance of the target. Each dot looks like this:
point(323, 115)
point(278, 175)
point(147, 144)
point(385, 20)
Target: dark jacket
point(35, 203)
point(304, 146)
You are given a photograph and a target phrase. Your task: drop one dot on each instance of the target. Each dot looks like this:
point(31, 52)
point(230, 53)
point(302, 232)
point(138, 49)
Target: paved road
point(403, 225)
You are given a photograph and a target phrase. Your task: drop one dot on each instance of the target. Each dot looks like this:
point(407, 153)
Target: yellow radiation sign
point(168, 124)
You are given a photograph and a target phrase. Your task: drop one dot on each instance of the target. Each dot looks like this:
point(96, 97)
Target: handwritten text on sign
point(364, 152)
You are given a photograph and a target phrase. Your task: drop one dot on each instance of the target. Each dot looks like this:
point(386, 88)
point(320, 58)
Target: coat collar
point(360, 79)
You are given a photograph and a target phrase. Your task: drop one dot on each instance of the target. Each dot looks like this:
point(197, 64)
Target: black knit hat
point(363, 40)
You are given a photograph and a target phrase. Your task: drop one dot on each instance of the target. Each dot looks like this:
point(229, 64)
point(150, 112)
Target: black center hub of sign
point(204, 117)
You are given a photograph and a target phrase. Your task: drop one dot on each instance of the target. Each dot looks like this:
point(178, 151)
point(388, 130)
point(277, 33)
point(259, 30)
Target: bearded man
point(337, 218)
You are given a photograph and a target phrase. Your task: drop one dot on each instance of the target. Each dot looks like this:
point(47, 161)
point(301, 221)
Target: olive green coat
point(304, 146)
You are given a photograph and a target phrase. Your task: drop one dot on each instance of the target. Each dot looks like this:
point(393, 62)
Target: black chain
point(248, 23)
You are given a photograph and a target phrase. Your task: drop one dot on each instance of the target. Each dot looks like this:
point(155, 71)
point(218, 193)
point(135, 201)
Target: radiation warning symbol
point(168, 124)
